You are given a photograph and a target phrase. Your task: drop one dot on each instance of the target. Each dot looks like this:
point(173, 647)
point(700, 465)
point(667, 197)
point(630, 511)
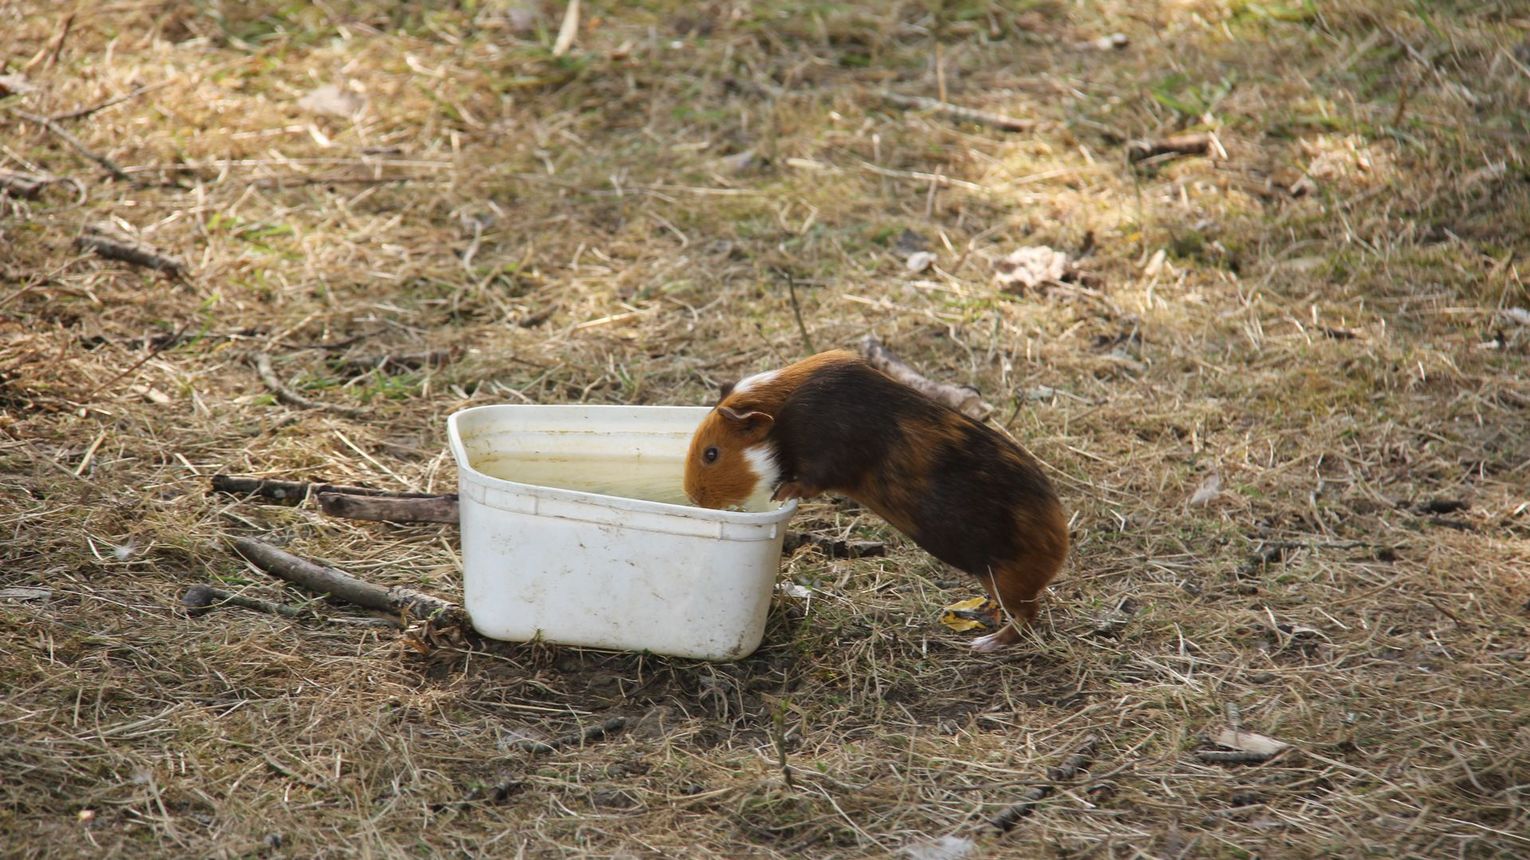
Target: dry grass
point(1336, 357)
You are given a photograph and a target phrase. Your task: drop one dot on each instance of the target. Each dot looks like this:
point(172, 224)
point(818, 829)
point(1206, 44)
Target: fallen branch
point(1200, 143)
point(113, 245)
point(957, 112)
point(292, 398)
point(964, 400)
point(407, 508)
point(1005, 821)
point(340, 585)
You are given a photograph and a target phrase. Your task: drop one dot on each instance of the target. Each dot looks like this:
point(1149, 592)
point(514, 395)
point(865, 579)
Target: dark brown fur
point(961, 490)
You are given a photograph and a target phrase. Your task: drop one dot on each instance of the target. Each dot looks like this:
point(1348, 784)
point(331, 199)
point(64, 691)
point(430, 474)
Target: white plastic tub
point(586, 567)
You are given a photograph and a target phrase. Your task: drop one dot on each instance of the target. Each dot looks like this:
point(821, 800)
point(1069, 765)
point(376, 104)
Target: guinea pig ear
point(752, 426)
point(724, 390)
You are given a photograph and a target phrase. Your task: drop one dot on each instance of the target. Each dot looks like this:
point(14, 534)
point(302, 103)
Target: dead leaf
point(961, 624)
point(1209, 489)
point(944, 848)
point(16, 85)
point(739, 162)
point(919, 261)
point(1030, 267)
point(332, 100)
point(1248, 742)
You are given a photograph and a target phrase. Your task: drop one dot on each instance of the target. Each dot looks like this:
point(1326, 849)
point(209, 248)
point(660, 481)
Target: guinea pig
point(961, 490)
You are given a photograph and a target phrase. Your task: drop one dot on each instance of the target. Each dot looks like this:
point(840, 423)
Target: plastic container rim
point(465, 467)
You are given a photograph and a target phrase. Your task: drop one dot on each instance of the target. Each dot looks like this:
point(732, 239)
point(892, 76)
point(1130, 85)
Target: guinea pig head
point(730, 458)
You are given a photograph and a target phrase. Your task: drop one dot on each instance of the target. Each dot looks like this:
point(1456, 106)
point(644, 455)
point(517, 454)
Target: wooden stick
point(963, 400)
point(292, 398)
point(201, 598)
point(357, 503)
point(297, 491)
point(113, 245)
point(1005, 821)
point(341, 585)
point(957, 112)
point(1182, 144)
point(406, 509)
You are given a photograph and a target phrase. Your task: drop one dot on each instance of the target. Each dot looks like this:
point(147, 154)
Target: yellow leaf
point(960, 623)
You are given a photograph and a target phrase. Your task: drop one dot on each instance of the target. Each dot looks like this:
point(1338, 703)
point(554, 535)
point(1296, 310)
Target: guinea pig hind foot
point(995, 641)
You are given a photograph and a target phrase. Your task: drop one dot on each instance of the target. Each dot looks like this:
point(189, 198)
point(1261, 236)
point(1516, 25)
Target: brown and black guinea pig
point(834, 424)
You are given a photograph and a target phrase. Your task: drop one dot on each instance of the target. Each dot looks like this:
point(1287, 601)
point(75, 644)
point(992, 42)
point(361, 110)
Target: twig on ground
point(338, 500)
point(791, 291)
point(1200, 143)
point(568, 30)
point(48, 56)
point(963, 400)
point(939, 179)
point(292, 398)
point(198, 599)
point(286, 492)
point(114, 245)
point(342, 586)
point(957, 112)
point(79, 113)
point(63, 134)
point(1005, 821)
point(156, 350)
point(416, 509)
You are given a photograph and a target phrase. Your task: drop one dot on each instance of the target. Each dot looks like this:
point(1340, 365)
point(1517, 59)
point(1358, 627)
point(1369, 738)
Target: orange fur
point(907, 481)
point(731, 480)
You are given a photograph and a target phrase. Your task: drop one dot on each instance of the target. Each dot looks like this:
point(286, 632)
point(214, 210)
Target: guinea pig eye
point(710, 455)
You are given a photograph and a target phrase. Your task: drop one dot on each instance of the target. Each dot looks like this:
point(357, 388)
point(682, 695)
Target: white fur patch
point(749, 382)
point(762, 459)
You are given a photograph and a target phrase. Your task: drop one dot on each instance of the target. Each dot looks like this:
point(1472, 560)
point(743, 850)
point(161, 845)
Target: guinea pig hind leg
point(1016, 605)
